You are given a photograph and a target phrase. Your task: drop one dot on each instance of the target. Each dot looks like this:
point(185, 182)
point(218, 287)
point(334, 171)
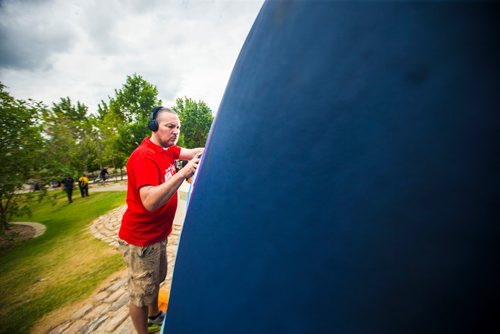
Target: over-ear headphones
point(153, 124)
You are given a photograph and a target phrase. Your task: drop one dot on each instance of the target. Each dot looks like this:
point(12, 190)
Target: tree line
point(41, 144)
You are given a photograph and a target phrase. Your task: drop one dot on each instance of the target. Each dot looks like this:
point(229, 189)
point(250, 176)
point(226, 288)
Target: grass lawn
point(64, 265)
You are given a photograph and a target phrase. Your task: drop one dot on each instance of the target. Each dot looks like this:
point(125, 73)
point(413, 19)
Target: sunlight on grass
point(65, 264)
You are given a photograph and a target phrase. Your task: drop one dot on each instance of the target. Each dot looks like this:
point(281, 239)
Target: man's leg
point(87, 190)
point(144, 280)
point(81, 192)
point(139, 316)
point(153, 309)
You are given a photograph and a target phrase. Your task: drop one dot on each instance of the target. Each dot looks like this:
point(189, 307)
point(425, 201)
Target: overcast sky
point(85, 49)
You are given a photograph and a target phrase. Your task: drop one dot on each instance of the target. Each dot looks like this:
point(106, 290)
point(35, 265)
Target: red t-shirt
point(150, 165)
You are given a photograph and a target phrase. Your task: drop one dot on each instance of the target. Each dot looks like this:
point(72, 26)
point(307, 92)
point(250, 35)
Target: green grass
point(64, 265)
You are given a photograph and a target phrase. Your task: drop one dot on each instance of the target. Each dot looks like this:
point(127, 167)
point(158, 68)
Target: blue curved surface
point(350, 181)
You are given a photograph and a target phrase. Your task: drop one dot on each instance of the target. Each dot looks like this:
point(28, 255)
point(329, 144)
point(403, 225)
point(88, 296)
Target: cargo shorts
point(147, 268)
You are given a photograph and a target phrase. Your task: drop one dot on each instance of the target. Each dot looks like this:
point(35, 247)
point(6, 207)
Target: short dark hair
point(166, 109)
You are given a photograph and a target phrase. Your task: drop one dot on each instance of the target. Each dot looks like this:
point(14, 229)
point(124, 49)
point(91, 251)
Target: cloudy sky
point(85, 49)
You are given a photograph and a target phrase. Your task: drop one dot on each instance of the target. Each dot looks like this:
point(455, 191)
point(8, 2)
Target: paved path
point(108, 186)
point(107, 312)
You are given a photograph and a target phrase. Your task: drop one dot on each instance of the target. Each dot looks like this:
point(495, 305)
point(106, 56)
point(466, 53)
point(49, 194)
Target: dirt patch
point(15, 234)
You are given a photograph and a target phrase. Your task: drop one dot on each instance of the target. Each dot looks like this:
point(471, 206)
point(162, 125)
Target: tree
point(123, 120)
point(135, 99)
point(71, 143)
point(89, 147)
point(109, 127)
point(21, 152)
point(196, 119)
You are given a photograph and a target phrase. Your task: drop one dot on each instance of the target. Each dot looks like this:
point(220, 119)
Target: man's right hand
point(189, 170)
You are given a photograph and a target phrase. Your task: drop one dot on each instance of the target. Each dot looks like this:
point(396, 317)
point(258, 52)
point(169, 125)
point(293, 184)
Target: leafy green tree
point(106, 127)
point(89, 146)
point(21, 152)
point(110, 154)
point(61, 145)
point(123, 120)
point(196, 119)
point(71, 138)
point(135, 99)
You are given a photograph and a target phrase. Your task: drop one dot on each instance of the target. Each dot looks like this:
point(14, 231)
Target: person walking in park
point(68, 182)
point(83, 184)
point(103, 174)
point(152, 202)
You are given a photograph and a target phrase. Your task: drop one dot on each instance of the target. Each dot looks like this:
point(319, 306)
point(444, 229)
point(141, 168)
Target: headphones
point(153, 124)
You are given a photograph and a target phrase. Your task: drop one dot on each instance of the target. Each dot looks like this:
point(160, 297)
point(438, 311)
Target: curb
point(39, 228)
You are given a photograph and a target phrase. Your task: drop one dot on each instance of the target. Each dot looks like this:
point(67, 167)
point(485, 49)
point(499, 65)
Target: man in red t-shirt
point(152, 202)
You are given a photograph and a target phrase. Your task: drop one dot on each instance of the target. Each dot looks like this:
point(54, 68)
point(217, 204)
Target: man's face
point(168, 129)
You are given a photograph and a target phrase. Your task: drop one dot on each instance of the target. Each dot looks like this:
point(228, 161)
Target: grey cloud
point(87, 48)
point(101, 21)
point(97, 21)
point(29, 35)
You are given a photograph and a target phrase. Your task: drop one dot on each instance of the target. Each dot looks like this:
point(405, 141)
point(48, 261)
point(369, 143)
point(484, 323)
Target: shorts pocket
point(145, 251)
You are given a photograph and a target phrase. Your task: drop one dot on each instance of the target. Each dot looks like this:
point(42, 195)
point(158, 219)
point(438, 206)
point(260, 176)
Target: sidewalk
point(122, 186)
point(108, 186)
point(107, 310)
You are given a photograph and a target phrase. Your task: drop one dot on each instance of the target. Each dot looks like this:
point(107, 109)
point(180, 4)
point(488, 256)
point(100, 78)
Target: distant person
point(36, 186)
point(103, 174)
point(83, 184)
point(152, 201)
point(67, 183)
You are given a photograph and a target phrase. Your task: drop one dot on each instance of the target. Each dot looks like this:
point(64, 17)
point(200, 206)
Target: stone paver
point(75, 327)
point(81, 312)
point(107, 310)
point(60, 328)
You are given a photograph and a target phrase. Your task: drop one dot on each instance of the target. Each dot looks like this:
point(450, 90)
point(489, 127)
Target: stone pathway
point(108, 186)
point(108, 310)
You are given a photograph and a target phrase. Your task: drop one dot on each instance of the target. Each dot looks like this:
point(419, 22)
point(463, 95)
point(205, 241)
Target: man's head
point(166, 129)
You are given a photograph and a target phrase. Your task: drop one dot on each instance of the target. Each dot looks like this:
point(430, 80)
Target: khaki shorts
point(147, 268)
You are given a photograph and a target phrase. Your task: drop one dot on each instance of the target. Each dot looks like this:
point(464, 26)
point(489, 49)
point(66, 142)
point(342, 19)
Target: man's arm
point(154, 197)
point(190, 153)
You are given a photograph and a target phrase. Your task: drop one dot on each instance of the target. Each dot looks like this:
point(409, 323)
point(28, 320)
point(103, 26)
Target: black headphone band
point(154, 112)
